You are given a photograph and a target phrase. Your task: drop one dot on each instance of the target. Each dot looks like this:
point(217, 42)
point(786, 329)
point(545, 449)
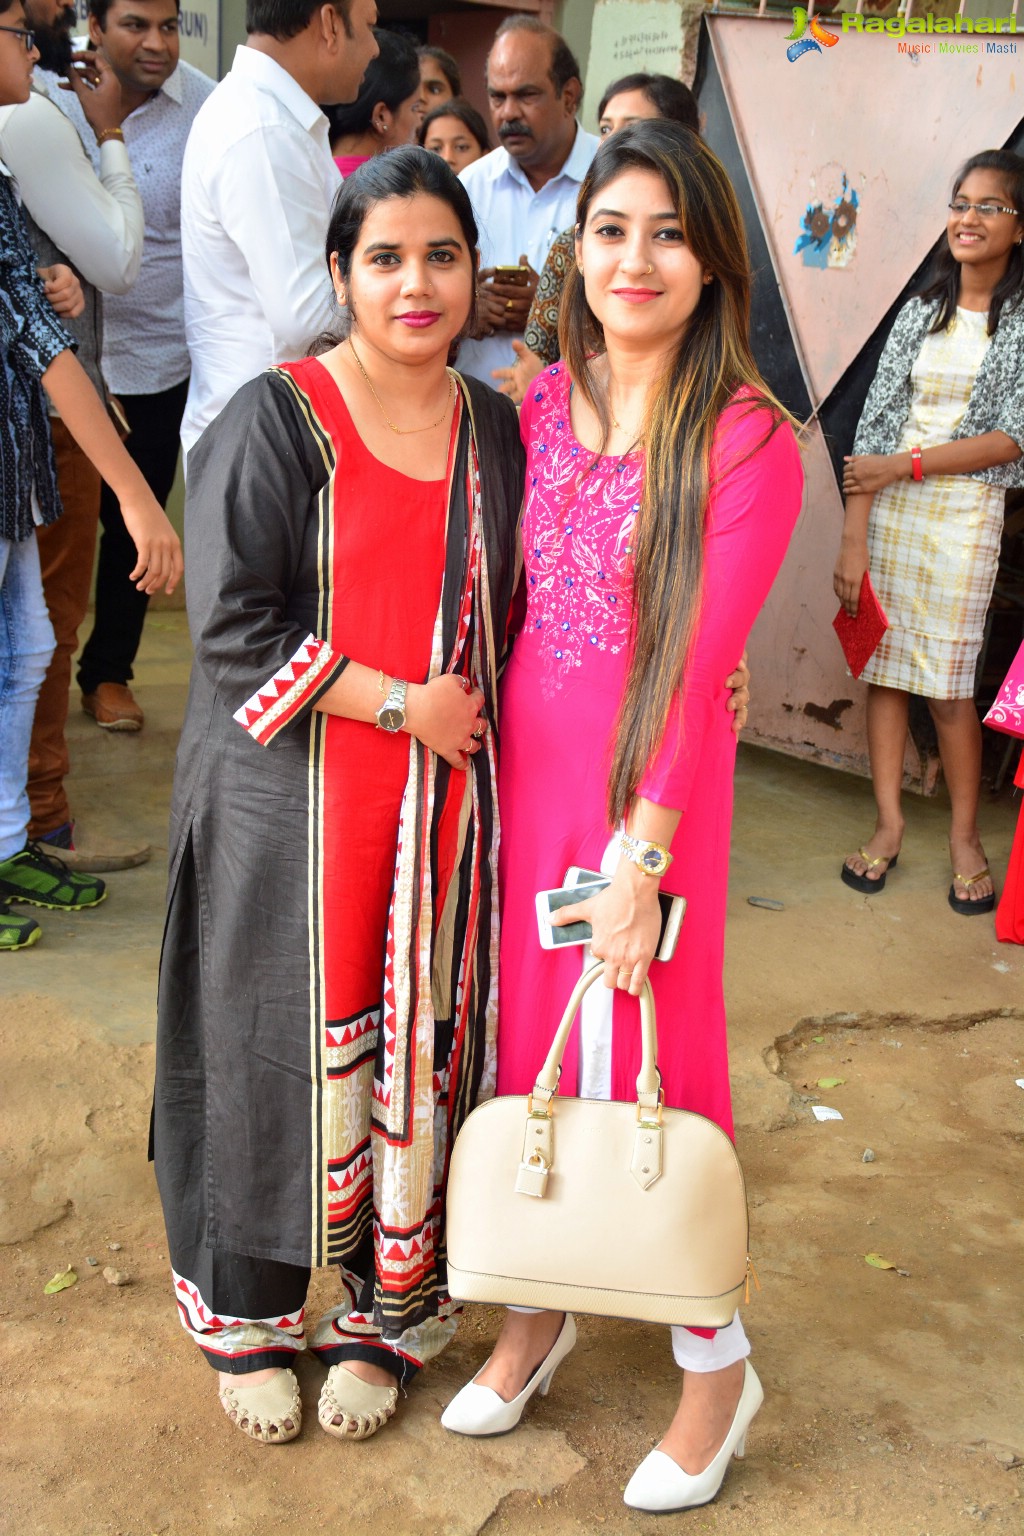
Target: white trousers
point(690, 1350)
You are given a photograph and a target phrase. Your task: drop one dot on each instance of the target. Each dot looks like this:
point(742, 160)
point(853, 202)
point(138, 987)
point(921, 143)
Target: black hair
point(447, 65)
point(392, 77)
point(564, 64)
point(675, 102)
point(467, 115)
point(284, 19)
point(943, 279)
point(403, 173)
point(98, 10)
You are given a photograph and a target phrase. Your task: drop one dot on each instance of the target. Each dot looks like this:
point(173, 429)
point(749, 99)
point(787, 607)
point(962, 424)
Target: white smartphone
point(572, 933)
point(578, 886)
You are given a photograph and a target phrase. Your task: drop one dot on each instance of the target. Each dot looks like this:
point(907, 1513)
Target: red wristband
point(916, 467)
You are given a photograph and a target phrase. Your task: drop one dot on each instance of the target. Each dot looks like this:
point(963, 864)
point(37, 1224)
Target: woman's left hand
point(626, 919)
point(738, 702)
point(866, 473)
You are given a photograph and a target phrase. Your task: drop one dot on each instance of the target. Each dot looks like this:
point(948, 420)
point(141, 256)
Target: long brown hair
point(712, 362)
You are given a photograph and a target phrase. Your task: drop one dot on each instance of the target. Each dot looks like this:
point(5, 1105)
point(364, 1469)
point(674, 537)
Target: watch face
point(653, 860)
point(391, 719)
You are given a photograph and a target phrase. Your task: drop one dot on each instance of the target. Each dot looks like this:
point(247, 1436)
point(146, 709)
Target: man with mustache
point(524, 192)
point(93, 221)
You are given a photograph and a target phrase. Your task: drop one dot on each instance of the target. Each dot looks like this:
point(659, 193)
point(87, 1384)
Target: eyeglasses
point(28, 38)
point(983, 210)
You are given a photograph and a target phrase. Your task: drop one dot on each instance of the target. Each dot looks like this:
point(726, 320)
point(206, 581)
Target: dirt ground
point(893, 1400)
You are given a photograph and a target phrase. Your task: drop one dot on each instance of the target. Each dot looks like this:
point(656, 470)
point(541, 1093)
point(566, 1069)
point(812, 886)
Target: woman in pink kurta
point(562, 691)
point(662, 486)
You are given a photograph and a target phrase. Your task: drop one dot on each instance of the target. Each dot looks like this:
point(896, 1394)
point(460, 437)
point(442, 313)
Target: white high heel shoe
point(480, 1410)
point(660, 1485)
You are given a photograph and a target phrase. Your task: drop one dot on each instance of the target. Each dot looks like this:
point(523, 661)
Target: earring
point(709, 277)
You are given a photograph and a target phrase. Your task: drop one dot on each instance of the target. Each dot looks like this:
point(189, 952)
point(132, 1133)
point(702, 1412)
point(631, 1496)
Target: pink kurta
point(561, 698)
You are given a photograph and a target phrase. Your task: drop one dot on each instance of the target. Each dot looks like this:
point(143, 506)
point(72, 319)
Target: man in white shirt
point(256, 194)
point(524, 192)
point(93, 220)
point(145, 359)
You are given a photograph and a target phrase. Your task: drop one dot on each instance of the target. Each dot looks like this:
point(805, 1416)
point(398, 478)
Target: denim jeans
point(26, 645)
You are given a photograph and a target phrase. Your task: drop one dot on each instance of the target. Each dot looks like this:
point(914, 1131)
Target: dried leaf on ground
point(877, 1262)
point(60, 1282)
point(831, 1082)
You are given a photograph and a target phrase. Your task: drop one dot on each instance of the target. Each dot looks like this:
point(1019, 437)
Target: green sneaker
point(43, 881)
point(17, 932)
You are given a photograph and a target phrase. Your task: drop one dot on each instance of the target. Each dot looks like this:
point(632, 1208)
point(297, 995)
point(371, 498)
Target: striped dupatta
point(436, 1044)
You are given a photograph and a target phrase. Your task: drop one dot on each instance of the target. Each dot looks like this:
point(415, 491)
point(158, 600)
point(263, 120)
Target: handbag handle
point(648, 1083)
point(539, 1136)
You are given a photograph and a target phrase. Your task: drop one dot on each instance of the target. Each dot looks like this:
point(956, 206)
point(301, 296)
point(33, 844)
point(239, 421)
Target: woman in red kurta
point(327, 1004)
point(662, 487)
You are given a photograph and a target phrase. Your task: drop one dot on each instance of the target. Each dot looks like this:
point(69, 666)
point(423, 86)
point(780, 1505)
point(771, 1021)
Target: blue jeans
point(26, 646)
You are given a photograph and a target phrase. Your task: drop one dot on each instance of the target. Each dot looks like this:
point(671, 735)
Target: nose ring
point(649, 271)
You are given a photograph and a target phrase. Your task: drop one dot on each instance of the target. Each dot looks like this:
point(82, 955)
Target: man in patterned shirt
point(87, 214)
point(145, 360)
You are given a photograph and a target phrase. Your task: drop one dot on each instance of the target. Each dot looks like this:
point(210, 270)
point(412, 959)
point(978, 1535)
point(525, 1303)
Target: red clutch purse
point(859, 637)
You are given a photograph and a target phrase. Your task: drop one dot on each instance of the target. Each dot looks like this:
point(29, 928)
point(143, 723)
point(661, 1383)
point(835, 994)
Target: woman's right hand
point(446, 716)
point(849, 574)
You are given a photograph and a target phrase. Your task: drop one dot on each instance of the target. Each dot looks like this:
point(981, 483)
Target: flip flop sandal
point(861, 882)
point(264, 1412)
point(360, 1406)
point(963, 904)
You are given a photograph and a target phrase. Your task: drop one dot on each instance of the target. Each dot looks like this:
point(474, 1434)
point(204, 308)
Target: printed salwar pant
point(250, 1314)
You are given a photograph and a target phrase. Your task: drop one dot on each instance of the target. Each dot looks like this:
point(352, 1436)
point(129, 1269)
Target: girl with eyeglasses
point(939, 442)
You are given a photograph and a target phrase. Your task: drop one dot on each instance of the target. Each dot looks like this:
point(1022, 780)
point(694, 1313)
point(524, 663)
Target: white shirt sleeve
point(96, 221)
point(269, 197)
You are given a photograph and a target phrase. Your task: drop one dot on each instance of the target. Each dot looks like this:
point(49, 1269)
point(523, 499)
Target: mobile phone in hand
point(516, 277)
point(580, 884)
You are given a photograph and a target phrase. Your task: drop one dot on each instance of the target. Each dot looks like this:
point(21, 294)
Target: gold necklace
point(626, 431)
point(403, 431)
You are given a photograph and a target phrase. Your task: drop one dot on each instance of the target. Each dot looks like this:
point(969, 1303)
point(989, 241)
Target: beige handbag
point(623, 1210)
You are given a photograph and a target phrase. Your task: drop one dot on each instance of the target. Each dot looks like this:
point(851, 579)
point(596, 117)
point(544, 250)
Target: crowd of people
point(444, 648)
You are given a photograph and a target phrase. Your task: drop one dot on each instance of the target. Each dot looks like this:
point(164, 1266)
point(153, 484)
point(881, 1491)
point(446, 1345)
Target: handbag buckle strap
point(643, 1108)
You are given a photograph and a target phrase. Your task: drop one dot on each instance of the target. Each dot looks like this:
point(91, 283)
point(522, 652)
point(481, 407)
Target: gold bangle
point(380, 683)
point(110, 133)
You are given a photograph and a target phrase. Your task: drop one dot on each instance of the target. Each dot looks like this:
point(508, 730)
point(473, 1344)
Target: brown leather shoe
point(113, 708)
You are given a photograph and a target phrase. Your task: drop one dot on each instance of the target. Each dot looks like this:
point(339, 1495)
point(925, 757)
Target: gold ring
point(510, 303)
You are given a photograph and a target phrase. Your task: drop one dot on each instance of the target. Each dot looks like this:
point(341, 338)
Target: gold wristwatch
point(652, 858)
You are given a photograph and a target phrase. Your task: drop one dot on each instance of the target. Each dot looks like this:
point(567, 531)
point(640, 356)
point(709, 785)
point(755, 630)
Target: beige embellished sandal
point(353, 1409)
point(270, 1413)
